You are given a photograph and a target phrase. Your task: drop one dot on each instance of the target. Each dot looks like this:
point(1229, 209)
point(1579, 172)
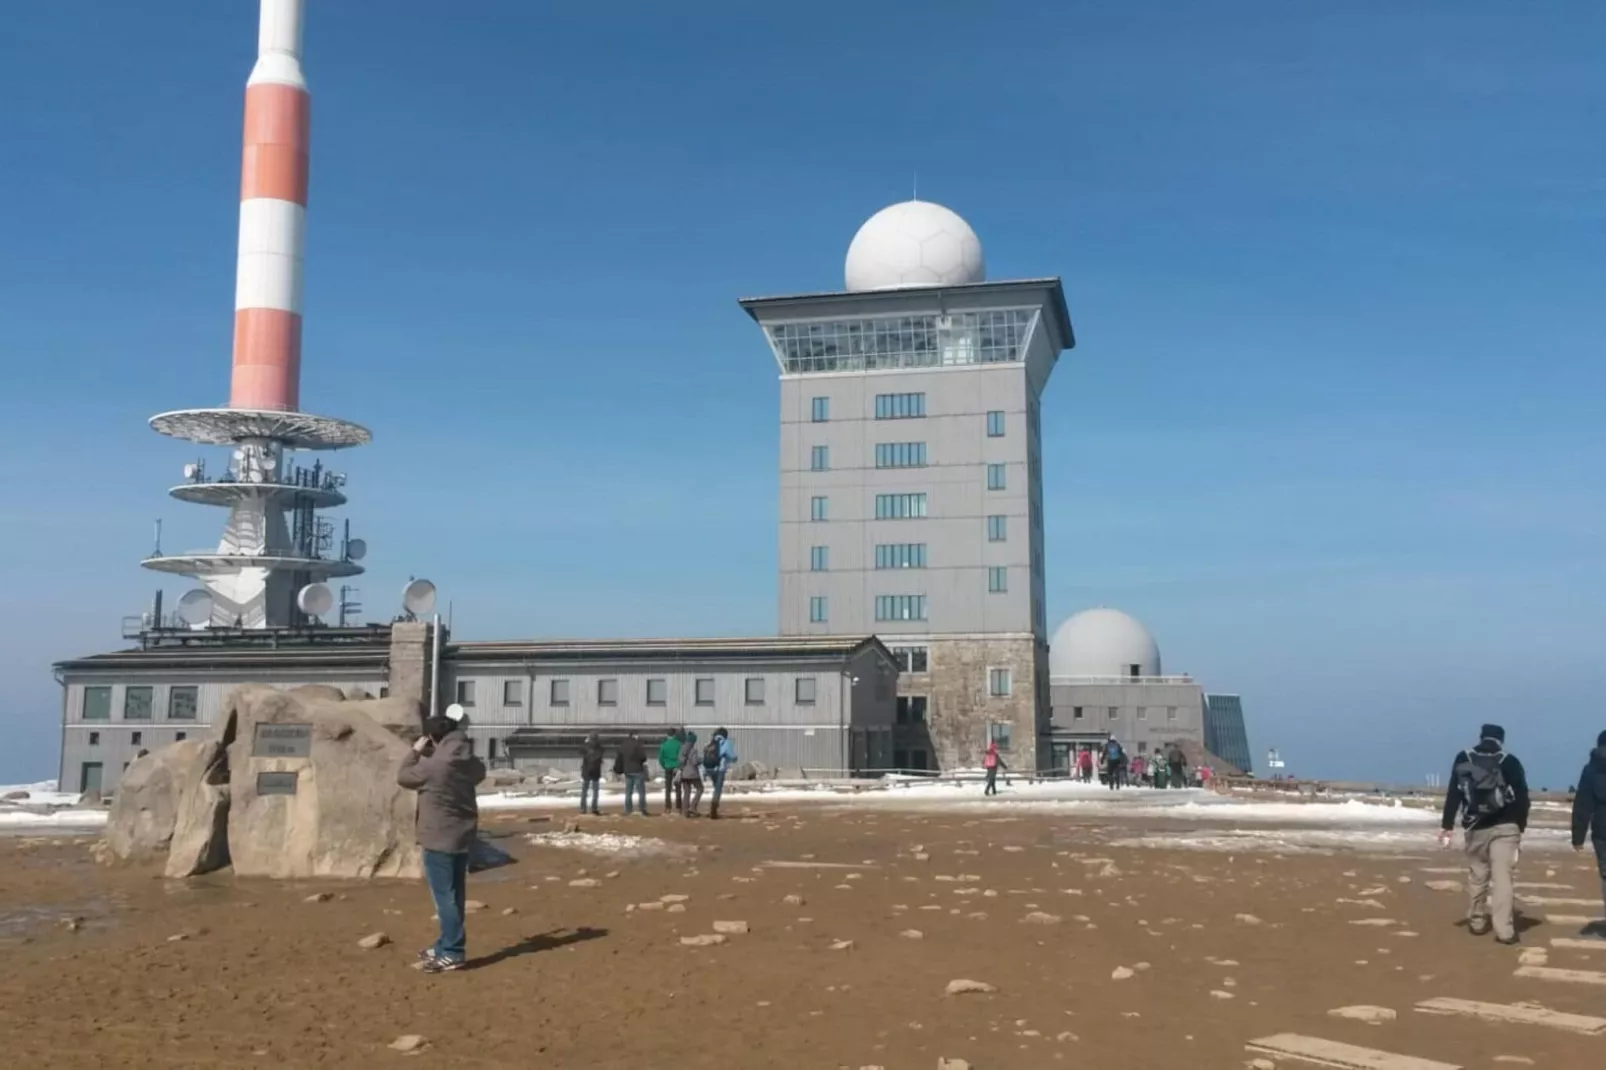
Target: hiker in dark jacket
point(691, 775)
point(1489, 790)
point(591, 773)
point(1176, 767)
point(442, 768)
point(631, 762)
point(1589, 815)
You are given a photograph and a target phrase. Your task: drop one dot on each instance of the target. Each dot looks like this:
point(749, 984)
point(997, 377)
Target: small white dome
point(1102, 642)
point(915, 243)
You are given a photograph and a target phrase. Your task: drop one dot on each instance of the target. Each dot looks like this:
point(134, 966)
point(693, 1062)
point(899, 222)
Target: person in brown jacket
point(443, 770)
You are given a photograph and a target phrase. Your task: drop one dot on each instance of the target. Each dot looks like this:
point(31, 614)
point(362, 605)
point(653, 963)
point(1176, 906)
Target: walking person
point(726, 758)
point(1176, 766)
point(1084, 764)
point(1114, 763)
point(591, 774)
point(1138, 768)
point(444, 772)
point(669, 762)
point(631, 762)
point(1489, 789)
point(691, 776)
point(1589, 815)
point(991, 762)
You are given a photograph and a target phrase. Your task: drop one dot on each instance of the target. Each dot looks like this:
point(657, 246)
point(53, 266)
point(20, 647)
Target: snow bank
point(43, 793)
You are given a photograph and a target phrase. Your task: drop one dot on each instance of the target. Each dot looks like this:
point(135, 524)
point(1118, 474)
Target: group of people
point(1167, 768)
point(1487, 795)
point(685, 767)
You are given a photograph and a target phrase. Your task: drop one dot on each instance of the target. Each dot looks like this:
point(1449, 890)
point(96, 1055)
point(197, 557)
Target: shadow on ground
point(531, 945)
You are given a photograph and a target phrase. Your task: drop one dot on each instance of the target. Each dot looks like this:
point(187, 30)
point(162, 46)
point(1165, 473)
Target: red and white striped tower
point(276, 551)
point(273, 212)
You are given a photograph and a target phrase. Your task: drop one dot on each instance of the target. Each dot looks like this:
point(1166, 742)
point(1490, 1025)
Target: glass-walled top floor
point(886, 342)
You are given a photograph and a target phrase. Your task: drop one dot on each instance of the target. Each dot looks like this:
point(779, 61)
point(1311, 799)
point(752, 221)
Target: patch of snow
point(13, 820)
point(42, 793)
point(613, 844)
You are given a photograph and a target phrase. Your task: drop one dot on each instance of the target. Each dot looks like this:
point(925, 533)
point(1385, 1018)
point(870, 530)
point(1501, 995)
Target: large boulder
point(145, 808)
point(201, 825)
point(315, 795)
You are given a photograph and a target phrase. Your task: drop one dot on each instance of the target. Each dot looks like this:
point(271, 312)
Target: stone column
point(409, 661)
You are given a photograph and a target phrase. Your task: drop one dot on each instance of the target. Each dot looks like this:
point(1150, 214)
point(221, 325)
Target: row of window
point(1080, 713)
point(900, 607)
point(136, 739)
point(182, 701)
point(900, 555)
point(906, 506)
point(656, 691)
point(902, 407)
point(900, 455)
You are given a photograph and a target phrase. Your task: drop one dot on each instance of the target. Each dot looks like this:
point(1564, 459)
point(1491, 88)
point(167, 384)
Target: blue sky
point(1333, 429)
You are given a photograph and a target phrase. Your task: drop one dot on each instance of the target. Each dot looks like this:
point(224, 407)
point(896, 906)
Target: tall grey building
point(911, 478)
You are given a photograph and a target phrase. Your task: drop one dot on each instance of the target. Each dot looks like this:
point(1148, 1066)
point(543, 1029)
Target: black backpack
point(711, 755)
point(1482, 779)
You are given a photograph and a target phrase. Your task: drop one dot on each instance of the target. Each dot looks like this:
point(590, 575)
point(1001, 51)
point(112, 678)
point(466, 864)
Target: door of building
point(1062, 756)
point(89, 777)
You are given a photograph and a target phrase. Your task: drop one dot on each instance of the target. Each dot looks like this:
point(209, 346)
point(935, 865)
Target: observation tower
point(277, 551)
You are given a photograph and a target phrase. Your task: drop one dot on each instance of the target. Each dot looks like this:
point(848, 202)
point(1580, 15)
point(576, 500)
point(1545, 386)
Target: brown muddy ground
point(573, 980)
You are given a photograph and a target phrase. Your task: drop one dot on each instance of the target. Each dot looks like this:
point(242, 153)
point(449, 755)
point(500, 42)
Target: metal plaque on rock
point(276, 783)
point(282, 741)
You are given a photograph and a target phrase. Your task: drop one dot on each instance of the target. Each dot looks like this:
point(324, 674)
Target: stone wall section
point(960, 708)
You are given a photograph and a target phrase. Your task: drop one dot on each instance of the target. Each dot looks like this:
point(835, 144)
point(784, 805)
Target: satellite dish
point(455, 712)
point(356, 549)
point(269, 462)
point(189, 471)
point(418, 598)
point(195, 608)
point(315, 599)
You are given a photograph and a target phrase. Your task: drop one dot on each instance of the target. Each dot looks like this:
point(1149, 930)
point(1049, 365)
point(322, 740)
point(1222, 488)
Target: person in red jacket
point(992, 762)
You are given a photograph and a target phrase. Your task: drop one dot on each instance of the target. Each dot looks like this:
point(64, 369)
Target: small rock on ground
point(703, 940)
point(842, 945)
point(319, 897)
point(373, 940)
point(1038, 917)
point(1362, 1013)
point(961, 986)
point(912, 934)
point(1121, 973)
point(411, 1044)
point(730, 927)
point(473, 906)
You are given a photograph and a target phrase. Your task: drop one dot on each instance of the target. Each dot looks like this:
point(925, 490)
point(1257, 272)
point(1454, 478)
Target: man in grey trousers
point(442, 768)
point(1488, 789)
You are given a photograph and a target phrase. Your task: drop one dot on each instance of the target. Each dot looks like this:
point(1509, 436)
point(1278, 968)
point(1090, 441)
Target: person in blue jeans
point(727, 759)
point(631, 762)
point(444, 772)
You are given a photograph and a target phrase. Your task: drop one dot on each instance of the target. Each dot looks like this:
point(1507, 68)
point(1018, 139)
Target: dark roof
point(746, 648)
point(1055, 294)
point(230, 658)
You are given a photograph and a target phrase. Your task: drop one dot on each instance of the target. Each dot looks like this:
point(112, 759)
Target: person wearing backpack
point(1489, 790)
point(1589, 815)
point(691, 776)
point(1176, 765)
point(1114, 763)
point(1084, 765)
point(717, 765)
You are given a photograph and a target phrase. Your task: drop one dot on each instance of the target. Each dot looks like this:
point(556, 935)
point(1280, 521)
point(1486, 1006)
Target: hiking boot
point(596, 813)
point(1478, 926)
point(1509, 941)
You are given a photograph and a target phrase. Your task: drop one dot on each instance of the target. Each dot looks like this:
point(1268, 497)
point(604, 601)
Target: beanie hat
point(1492, 731)
point(1600, 740)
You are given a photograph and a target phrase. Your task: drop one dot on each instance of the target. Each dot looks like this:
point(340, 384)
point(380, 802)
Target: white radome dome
point(1102, 642)
point(915, 243)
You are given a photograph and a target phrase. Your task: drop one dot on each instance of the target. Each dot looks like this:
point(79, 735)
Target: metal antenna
point(914, 187)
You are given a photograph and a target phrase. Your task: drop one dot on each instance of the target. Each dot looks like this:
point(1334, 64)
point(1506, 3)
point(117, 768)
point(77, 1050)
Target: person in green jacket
point(669, 758)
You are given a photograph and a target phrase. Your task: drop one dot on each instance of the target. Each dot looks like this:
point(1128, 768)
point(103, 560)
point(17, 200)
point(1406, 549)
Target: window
point(900, 607)
point(97, 704)
point(1134, 671)
point(998, 683)
point(1143, 713)
point(901, 340)
point(997, 580)
point(657, 691)
point(900, 455)
point(821, 410)
point(490, 749)
point(911, 709)
point(1113, 712)
point(512, 692)
point(136, 738)
point(1171, 713)
point(819, 609)
point(753, 690)
point(608, 692)
point(917, 759)
point(995, 477)
point(805, 690)
point(94, 739)
point(1076, 713)
point(819, 558)
point(999, 732)
point(995, 424)
point(900, 506)
point(818, 508)
point(900, 406)
point(465, 692)
point(911, 658)
point(384, 692)
point(997, 528)
point(137, 704)
point(181, 702)
point(560, 692)
point(705, 691)
point(820, 459)
point(900, 555)
point(180, 737)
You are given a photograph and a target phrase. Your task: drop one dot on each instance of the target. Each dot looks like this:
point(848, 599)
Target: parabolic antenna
point(195, 608)
point(315, 599)
point(189, 471)
point(418, 598)
point(269, 462)
point(356, 549)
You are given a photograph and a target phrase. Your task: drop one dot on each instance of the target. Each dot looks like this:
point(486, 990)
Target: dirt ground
point(573, 979)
